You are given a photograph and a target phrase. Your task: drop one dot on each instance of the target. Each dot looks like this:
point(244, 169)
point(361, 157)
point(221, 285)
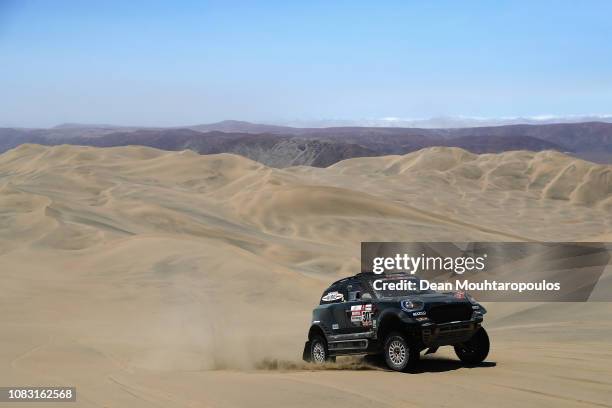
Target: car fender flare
point(389, 320)
point(315, 329)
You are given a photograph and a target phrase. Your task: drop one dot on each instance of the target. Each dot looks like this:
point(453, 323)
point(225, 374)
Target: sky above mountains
point(173, 63)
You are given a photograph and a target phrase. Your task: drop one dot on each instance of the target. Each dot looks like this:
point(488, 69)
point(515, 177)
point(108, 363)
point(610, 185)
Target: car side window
point(356, 292)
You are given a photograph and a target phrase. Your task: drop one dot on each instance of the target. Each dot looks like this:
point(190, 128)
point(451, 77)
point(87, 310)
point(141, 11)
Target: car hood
point(435, 298)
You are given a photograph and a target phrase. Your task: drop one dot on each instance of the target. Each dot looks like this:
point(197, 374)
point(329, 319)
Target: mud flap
point(306, 353)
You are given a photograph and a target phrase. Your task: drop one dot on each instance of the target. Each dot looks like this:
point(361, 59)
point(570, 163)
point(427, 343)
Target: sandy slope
point(151, 278)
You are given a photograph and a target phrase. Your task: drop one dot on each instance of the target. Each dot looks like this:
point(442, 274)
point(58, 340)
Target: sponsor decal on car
point(362, 315)
point(332, 296)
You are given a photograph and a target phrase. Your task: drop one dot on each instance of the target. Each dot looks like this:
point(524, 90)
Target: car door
point(350, 313)
point(358, 312)
point(338, 311)
point(331, 307)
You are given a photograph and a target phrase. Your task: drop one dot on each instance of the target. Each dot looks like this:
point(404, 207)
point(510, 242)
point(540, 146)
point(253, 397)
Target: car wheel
point(399, 355)
point(318, 351)
point(476, 349)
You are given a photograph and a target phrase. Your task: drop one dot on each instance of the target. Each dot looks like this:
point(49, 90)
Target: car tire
point(476, 349)
point(319, 353)
point(399, 354)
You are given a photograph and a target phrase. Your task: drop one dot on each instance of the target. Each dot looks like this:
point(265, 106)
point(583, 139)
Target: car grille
point(450, 313)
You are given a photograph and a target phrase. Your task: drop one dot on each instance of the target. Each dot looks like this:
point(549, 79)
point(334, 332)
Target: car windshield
point(397, 286)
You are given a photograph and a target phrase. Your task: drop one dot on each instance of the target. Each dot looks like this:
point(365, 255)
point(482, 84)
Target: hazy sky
point(187, 62)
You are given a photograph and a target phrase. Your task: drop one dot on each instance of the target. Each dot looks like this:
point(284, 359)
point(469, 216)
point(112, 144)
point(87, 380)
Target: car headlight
point(411, 305)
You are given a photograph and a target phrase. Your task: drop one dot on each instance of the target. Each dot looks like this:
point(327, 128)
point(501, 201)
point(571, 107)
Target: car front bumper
point(446, 334)
point(434, 335)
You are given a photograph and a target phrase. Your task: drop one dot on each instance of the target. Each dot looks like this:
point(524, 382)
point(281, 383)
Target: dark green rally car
point(388, 314)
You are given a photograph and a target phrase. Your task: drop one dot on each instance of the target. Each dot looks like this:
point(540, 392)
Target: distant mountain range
point(282, 146)
point(445, 122)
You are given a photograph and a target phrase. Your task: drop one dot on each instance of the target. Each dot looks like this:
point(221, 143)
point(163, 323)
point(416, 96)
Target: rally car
point(356, 317)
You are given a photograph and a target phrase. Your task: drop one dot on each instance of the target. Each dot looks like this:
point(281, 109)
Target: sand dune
point(154, 278)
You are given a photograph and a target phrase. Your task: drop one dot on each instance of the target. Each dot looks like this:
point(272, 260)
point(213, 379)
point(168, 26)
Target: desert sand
point(148, 278)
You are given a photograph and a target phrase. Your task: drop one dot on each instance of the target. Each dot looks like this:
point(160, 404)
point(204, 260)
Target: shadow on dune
point(429, 365)
point(442, 365)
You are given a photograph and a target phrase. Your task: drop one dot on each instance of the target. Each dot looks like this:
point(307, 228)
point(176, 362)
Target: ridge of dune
point(135, 190)
point(550, 174)
point(71, 197)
